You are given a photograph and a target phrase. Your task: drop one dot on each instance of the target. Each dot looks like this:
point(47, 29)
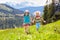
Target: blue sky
point(25, 3)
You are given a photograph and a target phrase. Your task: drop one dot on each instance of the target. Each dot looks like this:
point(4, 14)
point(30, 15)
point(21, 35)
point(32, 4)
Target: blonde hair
point(37, 12)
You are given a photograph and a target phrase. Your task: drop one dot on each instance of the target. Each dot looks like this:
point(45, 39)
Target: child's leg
point(26, 28)
point(37, 26)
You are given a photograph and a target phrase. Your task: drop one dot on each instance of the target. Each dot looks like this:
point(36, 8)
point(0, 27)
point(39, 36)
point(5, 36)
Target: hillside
point(9, 10)
point(8, 17)
point(47, 32)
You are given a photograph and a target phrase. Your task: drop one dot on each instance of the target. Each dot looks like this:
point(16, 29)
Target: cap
point(26, 10)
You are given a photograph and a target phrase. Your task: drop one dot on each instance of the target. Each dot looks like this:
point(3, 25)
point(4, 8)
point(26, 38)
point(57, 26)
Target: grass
point(47, 32)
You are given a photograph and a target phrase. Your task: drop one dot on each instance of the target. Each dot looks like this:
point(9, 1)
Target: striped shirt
point(38, 19)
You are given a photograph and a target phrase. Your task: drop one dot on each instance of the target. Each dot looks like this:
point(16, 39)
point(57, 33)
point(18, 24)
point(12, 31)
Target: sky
point(24, 3)
point(18, 4)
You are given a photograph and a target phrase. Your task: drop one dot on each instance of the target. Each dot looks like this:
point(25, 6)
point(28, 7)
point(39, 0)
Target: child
point(26, 21)
point(38, 19)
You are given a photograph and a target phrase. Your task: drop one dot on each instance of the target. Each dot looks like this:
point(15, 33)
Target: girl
point(38, 19)
point(26, 21)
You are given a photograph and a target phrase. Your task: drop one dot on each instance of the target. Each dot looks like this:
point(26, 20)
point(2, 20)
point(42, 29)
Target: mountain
point(9, 10)
point(26, 5)
point(33, 9)
point(8, 17)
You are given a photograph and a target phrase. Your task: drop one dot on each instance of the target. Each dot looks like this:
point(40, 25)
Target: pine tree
point(50, 14)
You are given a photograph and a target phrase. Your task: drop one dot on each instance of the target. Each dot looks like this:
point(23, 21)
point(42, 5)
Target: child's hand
point(44, 21)
point(23, 24)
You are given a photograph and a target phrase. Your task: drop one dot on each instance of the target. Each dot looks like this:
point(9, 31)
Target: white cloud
point(23, 2)
point(13, 1)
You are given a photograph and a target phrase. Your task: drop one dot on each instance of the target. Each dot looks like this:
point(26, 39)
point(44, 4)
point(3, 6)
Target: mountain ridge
point(11, 9)
point(33, 9)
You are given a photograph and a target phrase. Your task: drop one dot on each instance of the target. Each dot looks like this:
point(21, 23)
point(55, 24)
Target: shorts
point(26, 24)
point(37, 24)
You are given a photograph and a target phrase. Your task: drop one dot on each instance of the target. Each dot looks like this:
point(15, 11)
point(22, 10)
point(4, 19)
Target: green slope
point(47, 32)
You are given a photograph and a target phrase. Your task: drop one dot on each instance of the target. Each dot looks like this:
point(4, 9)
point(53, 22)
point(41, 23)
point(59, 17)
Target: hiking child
point(38, 19)
point(26, 22)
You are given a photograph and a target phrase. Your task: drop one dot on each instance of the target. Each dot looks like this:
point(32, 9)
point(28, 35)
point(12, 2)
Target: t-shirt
point(37, 18)
point(26, 19)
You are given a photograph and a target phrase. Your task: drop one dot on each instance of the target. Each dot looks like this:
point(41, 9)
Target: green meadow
point(47, 32)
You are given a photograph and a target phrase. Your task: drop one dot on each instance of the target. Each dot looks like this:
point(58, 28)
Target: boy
point(38, 19)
